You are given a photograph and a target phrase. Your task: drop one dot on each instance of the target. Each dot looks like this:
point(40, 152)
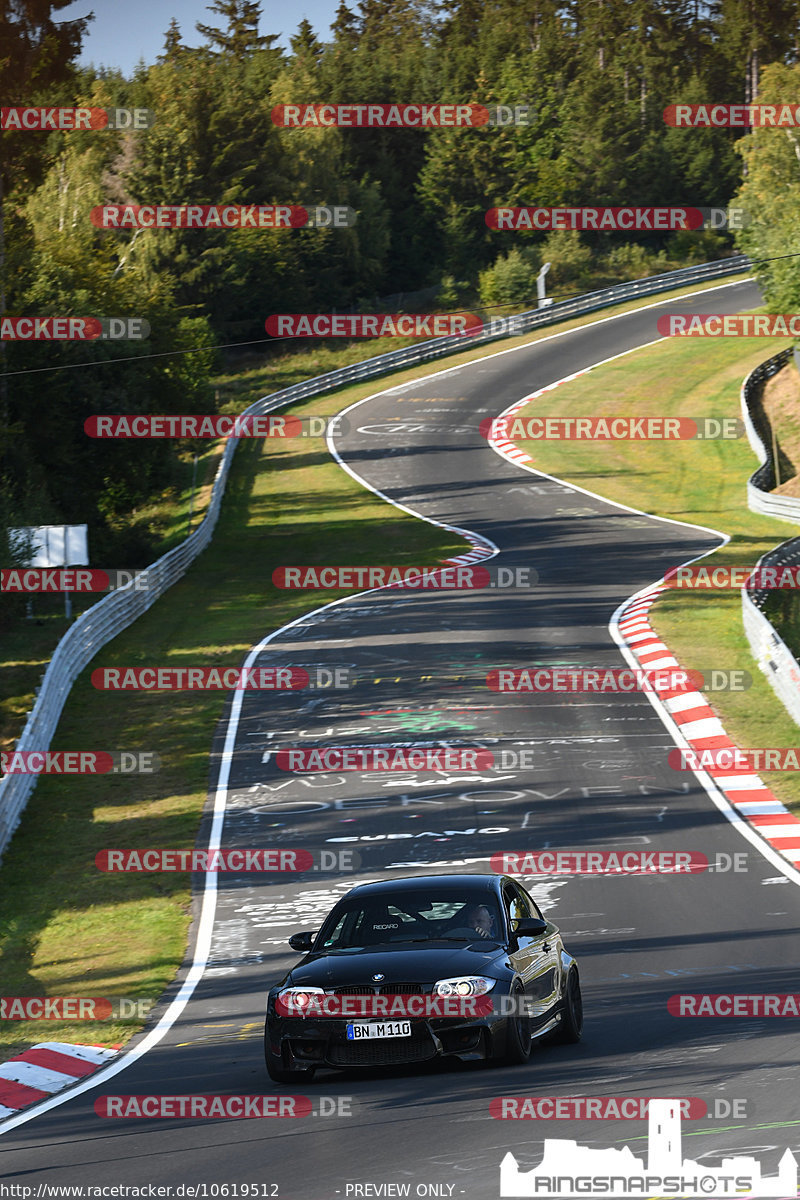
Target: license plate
point(380, 1029)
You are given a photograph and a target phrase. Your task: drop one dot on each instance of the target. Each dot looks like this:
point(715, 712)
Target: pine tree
point(241, 37)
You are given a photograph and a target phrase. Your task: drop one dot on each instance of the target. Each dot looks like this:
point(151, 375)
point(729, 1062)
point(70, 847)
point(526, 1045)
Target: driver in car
point(481, 920)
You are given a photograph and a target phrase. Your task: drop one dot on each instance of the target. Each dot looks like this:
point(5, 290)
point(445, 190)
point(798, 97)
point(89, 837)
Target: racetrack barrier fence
point(98, 625)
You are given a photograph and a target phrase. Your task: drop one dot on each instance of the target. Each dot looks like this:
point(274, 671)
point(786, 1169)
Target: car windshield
point(411, 917)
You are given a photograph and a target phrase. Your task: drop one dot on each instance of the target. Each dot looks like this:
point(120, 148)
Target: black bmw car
point(410, 969)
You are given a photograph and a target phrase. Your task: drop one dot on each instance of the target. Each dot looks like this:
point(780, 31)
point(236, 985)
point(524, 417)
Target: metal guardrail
point(770, 651)
point(759, 435)
point(116, 611)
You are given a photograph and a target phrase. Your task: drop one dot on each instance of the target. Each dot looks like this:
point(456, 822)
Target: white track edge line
point(208, 904)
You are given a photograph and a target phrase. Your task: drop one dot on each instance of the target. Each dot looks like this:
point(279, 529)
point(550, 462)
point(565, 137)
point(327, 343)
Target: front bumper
point(303, 1042)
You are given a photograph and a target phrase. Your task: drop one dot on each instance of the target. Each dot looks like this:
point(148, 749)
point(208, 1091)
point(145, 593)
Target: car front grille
point(374, 989)
point(383, 1052)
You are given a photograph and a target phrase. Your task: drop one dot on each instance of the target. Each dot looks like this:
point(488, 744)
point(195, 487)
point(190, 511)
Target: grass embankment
point(26, 646)
point(782, 406)
point(66, 929)
point(695, 481)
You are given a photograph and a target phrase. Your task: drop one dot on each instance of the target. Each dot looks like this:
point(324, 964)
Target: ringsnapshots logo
point(264, 425)
point(400, 116)
point(729, 325)
point(732, 116)
point(674, 680)
point(222, 216)
point(443, 578)
point(373, 325)
point(570, 1170)
point(79, 762)
point(60, 120)
point(226, 861)
point(73, 329)
point(611, 429)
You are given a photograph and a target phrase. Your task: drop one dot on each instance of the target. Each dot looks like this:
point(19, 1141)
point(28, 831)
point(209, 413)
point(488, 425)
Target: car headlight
point(464, 985)
point(295, 1001)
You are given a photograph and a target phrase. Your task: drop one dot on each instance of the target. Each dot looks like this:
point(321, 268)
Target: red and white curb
point(44, 1069)
point(702, 729)
point(479, 552)
point(695, 721)
point(499, 439)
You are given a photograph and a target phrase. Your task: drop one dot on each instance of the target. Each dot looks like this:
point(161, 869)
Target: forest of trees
point(597, 74)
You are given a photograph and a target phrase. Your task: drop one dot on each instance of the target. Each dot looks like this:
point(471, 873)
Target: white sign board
point(56, 545)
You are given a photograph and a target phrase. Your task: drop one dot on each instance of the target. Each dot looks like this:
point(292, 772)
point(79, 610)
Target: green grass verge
point(699, 482)
point(68, 929)
point(26, 646)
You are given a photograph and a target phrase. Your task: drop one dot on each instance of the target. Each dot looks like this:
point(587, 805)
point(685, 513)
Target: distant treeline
point(595, 74)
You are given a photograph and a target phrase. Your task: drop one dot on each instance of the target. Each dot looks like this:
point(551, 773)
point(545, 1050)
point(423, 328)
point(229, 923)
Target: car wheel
point(518, 1038)
point(571, 1026)
point(281, 1074)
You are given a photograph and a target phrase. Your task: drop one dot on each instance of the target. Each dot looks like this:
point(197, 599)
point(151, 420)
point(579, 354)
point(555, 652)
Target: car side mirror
point(302, 941)
point(530, 927)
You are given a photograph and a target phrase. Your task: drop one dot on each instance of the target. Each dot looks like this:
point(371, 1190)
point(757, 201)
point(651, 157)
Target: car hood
point(398, 964)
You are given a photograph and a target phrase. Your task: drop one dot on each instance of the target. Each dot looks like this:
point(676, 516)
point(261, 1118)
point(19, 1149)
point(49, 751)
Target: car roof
point(406, 883)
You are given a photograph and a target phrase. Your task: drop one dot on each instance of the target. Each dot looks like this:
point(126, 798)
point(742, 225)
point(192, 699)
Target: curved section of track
point(599, 779)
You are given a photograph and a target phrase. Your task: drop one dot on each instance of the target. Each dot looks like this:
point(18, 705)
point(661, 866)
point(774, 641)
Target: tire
point(278, 1073)
point(519, 1041)
point(571, 1027)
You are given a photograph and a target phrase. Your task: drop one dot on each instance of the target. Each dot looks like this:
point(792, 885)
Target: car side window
point(526, 904)
point(514, 909)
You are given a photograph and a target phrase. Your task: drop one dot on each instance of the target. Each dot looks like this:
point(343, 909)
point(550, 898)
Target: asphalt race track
point(600, 781)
